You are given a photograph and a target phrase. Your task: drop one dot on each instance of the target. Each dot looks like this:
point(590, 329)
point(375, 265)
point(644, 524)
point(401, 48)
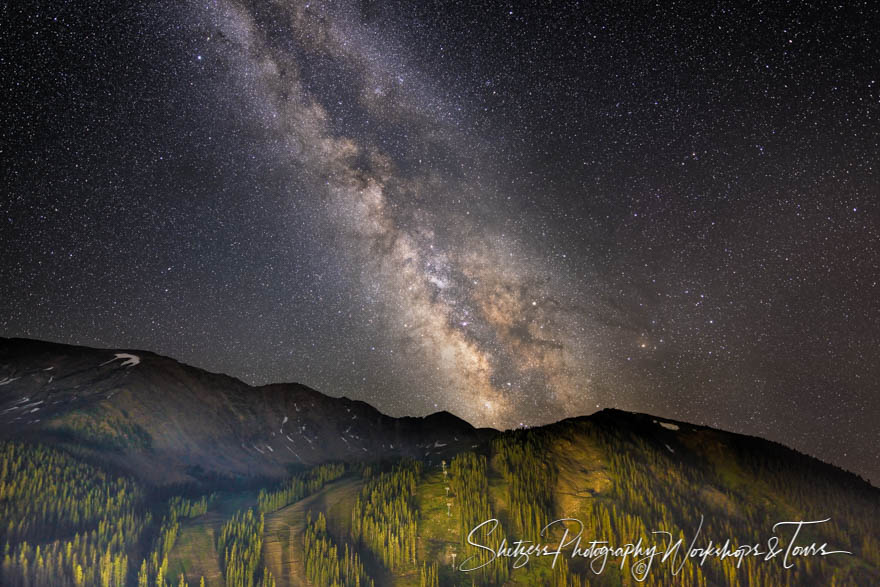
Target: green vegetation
point(241, 542)
point(298, 487)
point(154, 568)
point(325, 566)
point(68, 522)
point(429, 575)
point(384, 517)
point(180, 507)
point(531, 480)
point(84, 519)
point(740, 493)
point(521, 458)
point(103, 425)
point(471, 492)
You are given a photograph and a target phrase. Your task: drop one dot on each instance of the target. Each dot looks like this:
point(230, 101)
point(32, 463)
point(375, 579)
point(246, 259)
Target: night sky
point(517, 215)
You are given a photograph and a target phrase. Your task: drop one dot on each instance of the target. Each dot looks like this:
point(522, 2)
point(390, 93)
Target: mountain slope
point(167, 422)
point(94, 443)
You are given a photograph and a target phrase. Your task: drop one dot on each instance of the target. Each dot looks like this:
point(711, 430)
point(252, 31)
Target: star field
point(517, 214)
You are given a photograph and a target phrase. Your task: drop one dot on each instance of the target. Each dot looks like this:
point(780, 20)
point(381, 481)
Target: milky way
point(514, 214)
point(458, 294)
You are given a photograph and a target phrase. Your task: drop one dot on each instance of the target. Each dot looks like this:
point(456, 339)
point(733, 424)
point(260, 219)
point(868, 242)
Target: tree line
point(65, 522)
point(470, 489)
point(154, 568)
point(240, 545)
point(298, 486)
point(325, 565)
point(384, 517)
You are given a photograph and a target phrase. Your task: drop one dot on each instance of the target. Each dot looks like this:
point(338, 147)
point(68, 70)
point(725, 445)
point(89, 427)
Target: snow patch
point(270, 448)
point(127, 360)
point(669, 425)
point(8, 380)
point(669, 448)
point(48, 368)
point(23, 405)
point(438, 444)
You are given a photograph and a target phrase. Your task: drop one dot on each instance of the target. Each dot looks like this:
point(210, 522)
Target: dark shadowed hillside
point(167, 422)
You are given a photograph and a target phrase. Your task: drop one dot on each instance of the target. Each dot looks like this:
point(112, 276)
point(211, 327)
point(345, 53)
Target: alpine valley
point(123, 467)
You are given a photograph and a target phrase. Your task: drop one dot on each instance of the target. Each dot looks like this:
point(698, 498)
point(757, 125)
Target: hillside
point(169, 423)
point(148, 473)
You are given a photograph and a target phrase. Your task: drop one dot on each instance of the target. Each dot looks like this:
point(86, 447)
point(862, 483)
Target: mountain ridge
point(183, 464)
point(159, 411)
point(312, 428)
